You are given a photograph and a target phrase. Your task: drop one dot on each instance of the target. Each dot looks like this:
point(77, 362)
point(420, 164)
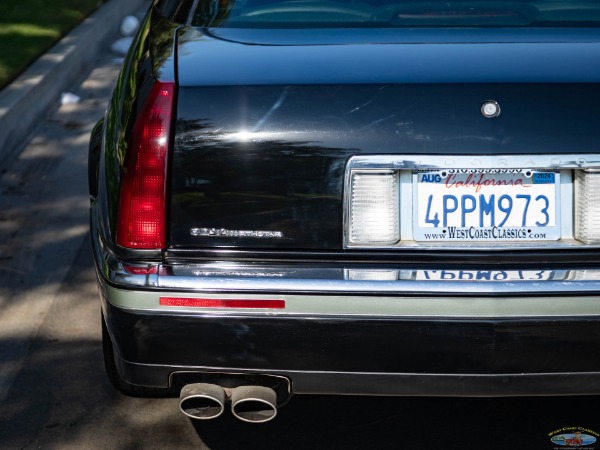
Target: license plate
point(486, 205)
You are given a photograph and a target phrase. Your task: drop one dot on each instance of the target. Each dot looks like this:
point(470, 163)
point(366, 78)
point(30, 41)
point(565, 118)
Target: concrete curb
point(25, 101)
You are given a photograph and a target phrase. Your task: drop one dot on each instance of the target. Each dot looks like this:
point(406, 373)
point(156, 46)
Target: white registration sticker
point(486, 205)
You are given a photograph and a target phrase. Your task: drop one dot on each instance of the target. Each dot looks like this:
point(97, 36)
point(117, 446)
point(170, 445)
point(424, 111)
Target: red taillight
point(142, 204)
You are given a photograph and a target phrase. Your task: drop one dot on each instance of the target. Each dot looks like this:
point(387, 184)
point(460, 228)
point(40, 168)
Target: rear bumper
point(336, 335)
point(358, 355)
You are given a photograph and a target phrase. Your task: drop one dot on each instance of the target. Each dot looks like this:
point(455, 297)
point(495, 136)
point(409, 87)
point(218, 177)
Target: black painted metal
point(272, 158)
point(355, 344)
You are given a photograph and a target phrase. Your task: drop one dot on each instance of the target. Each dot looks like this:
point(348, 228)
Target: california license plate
point(486, 205)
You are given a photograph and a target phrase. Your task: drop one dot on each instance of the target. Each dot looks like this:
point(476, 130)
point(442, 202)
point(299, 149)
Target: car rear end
point(388, 211)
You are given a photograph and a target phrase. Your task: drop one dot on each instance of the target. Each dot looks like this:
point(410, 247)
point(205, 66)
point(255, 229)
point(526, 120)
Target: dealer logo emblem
point(574, 437)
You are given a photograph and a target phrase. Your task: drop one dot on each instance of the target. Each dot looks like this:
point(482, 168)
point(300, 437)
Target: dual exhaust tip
point(253, 404)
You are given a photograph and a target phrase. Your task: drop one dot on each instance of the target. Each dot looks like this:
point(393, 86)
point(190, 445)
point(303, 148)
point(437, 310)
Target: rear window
point(392, 14)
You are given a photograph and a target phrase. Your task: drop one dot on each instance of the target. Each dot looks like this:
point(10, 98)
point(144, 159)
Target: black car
point(370, 197)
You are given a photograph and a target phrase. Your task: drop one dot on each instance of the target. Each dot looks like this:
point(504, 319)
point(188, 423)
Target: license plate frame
point(458, 197)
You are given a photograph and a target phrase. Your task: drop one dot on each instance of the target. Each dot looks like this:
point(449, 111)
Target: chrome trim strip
point(412, 162)
point(231, 277)
point(332, 306)
point(405, 164)
point(399, 287)
point(288, 278)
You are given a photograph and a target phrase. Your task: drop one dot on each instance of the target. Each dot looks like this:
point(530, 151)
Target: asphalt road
point(53, 391)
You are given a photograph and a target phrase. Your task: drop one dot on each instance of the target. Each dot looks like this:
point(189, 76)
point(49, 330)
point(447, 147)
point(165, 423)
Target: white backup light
point(587, 206)
point(374, 208)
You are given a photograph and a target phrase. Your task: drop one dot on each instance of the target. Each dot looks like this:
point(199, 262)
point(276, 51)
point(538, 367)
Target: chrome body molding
point(422, 162)
point(287, 278)
point(311, 304)
point(406, 164)
point(312, 290)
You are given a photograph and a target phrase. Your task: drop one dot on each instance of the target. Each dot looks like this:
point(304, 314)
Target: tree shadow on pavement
point(62, 397)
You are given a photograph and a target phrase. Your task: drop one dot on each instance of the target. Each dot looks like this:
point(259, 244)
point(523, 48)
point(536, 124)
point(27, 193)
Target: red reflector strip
point(151, 270)
point(222, 303)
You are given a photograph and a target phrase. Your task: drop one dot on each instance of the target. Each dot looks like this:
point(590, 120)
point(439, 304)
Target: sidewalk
point(37, 91)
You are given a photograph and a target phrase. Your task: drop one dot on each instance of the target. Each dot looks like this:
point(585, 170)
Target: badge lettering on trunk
point(222, 232)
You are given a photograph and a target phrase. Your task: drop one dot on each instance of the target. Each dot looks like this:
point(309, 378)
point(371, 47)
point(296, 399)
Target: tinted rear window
point(391, 14)
point(381, 13)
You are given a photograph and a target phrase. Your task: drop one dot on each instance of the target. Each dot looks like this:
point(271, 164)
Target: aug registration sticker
point(486, 205)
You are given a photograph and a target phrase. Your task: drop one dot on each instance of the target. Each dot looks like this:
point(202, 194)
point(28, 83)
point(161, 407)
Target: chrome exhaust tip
point(202, 401)
point(254, 404)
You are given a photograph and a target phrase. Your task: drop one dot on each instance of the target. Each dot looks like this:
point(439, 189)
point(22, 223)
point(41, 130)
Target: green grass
point(29, 27)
